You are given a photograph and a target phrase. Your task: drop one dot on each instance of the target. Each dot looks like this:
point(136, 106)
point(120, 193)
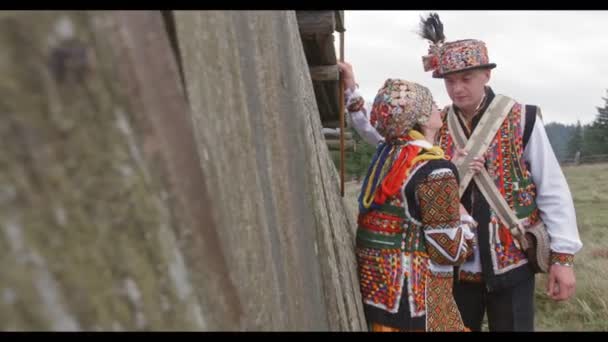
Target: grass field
point(588, 310)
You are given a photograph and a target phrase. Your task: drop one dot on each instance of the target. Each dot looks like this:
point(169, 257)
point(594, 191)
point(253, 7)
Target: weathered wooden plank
point(316, 23)
point(322, 99)
point(98, 148)
point(320, 51)
point(332, 123)
point(284, 231)
point(335, 135)
point(340, 21)
point(327, 97)
point(123, 206)
point(324, 73)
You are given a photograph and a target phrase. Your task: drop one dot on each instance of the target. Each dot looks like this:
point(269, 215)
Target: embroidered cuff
point(348, 92)
point(355, 104)
point(563, 259)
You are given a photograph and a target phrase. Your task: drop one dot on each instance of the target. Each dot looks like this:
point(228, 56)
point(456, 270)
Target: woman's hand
point(348, 76)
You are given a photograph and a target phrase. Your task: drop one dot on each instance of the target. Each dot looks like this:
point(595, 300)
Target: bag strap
point(476, 146)
point(530, 114)
point(482, 136)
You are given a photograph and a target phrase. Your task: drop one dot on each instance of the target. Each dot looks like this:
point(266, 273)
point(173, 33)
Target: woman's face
point(434, 122)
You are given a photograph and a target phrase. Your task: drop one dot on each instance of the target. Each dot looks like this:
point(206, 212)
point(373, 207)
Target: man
point(520, 160)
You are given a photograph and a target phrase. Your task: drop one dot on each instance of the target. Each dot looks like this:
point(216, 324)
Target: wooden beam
point(349, 145)
point(320, 50)
point(331, 89)
point(340, 21)
point(316, 23)
point(331, 123)
point(324, 73)
point(323, 101)
point(335, 135)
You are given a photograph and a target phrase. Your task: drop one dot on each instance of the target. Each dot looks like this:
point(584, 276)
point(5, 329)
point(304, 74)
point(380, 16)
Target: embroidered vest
point(391, 248)
point(505, 164)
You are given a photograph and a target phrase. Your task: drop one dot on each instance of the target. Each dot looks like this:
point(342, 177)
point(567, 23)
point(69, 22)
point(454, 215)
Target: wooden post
point(341, 118)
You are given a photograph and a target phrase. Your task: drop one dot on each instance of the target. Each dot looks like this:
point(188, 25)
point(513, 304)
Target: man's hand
point(561, 282)
point(478, 164)
point(348, 76)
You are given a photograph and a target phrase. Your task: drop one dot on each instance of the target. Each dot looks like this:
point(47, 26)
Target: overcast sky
point(555, 59)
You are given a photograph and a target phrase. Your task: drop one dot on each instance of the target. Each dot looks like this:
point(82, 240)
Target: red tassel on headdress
point(430, 62)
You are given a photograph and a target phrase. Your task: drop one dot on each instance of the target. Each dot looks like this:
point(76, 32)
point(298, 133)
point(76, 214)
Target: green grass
point(588, 309)
point(355, 163)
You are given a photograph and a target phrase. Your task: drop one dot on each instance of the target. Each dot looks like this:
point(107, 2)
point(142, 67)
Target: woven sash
point(476, 146)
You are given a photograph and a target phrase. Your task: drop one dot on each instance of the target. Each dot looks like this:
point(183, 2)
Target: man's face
point(466, 88)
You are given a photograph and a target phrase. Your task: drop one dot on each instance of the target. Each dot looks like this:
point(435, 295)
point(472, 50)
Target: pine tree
point(602, 117)
point(575, 144)
point(596, 141)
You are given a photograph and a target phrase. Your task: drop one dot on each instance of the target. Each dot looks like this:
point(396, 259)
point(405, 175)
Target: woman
point(410, 232)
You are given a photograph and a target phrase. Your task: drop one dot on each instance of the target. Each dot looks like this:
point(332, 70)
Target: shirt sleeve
point(359, 117)
point(447, 237)
point(553, 197)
